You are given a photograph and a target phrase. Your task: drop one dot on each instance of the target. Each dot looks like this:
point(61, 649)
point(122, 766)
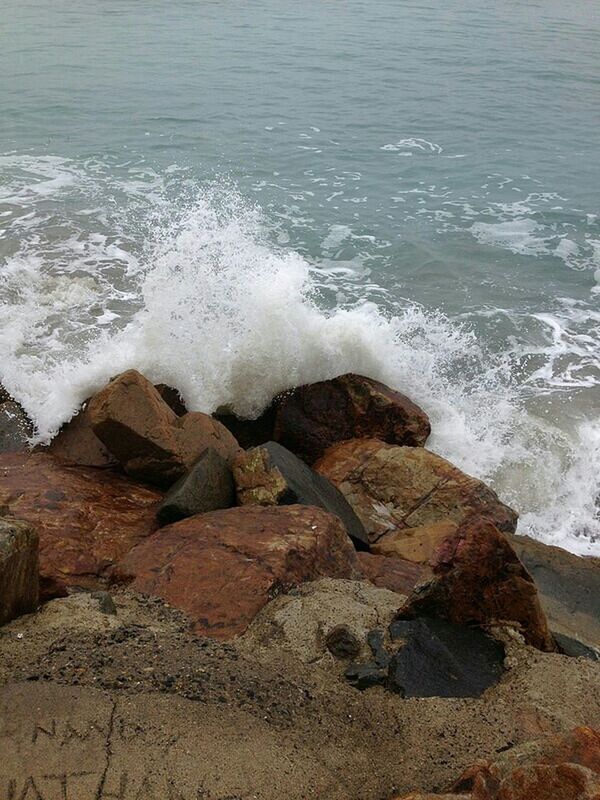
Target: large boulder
point(86, 518)
point(19, 581)
point(147, 437)
point(392, 487)
point(310, 418)
point(221, 568)
point(15, 427)
point(559, 767)
point(208, 486)
point(569, 590)
point(271, 475)
point(475, 577)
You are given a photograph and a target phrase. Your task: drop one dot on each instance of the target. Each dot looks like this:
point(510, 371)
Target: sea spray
point(209, 304)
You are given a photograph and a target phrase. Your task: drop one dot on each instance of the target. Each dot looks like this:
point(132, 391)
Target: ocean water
point(239, 197)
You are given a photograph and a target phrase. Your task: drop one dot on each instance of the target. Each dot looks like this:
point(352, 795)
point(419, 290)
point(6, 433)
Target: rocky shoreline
point(311, 604)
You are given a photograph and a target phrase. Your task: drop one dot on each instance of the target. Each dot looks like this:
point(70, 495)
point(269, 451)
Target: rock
point(559, 767)
point(86, 518)
point(270, 475)
point(568, 587)
point(395, 574)
point(76, 443)
point(208, 486)
point(342, 643)
point(4, 395)
point(320, 622)
point(416, 545)
point(221, 568)
point(15, 428)
point(391, 488)
point(311, 418)
point(477, 578)
point(148, 439)
point(440, 659)
point(19, 582)
point(172, 398)
point(105, 602)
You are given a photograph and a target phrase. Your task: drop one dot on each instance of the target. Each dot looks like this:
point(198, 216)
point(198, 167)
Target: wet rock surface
point(86, 518)
point(391, 488)
point(15, 427)
point(19, 581)
point(147, 437)
point(207, 486)
point(221, 568)
point(311, 418)
point(271, 475)
point(77, 444)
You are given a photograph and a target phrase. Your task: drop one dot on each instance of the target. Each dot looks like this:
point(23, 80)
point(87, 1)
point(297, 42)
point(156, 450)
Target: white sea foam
point(210, 305)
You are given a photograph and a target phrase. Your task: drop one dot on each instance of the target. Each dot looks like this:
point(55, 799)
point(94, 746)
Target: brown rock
point(395, 574)
point(415, 544)
point(311, 418)
point(393, 487)
point(558, 767)
point(76, 443)
point(151, 442)
point(86, 519)
point(476, 577)
point(19, 581)
point(221, 568)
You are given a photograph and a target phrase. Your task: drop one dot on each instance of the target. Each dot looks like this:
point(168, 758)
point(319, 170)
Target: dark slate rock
point(441, 659)
point(380, 654)
point(342, 643)
point(573, 647)
point(208, 486)
point(249, 432)
point(365, 676)
point(307, 487)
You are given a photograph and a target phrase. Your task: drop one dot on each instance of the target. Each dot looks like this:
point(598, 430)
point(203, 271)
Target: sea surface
point(237, 197)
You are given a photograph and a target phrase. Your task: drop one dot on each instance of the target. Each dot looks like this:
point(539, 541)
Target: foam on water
point(209, 304)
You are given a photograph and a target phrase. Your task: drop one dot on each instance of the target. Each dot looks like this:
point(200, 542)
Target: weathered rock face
point(325, 621)
point(15, 427)
point(147, 437)
point(221, 568)
point(19, 581)
point(476, 577)
point(208, 486)
point(393, 487)
point(395, 574)
point(86, 519)
point(568, 586)
point(313, 417)
point(270, 475)
point(76, 443)
point(554, 768)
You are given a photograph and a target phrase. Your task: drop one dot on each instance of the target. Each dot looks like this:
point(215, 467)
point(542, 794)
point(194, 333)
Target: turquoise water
point(239, 197)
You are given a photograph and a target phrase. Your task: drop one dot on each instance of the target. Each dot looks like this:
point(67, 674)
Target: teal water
point(238, 197)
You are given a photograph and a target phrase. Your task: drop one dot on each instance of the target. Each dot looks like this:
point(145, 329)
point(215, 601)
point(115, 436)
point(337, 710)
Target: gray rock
point(441, 659)
point(342, 643)
point(15, 428)
point(19, 569)
point(272, 475)
point(208, 486)
point(105, 602)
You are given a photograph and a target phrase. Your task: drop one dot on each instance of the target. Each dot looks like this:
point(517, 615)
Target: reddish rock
point(147, 437)
point(559, 767)
point(476, 577)
point(311, 418)
point(221, 568)
point(19, 579)
point(86, 519)
point(395, 574)
point(76, 443)
point(391, 487)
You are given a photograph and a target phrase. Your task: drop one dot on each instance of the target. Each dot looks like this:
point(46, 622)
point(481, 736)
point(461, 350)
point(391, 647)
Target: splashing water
point(210, 305)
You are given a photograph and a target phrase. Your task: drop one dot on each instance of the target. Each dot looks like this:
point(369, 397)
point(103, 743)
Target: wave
point(195, 293)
